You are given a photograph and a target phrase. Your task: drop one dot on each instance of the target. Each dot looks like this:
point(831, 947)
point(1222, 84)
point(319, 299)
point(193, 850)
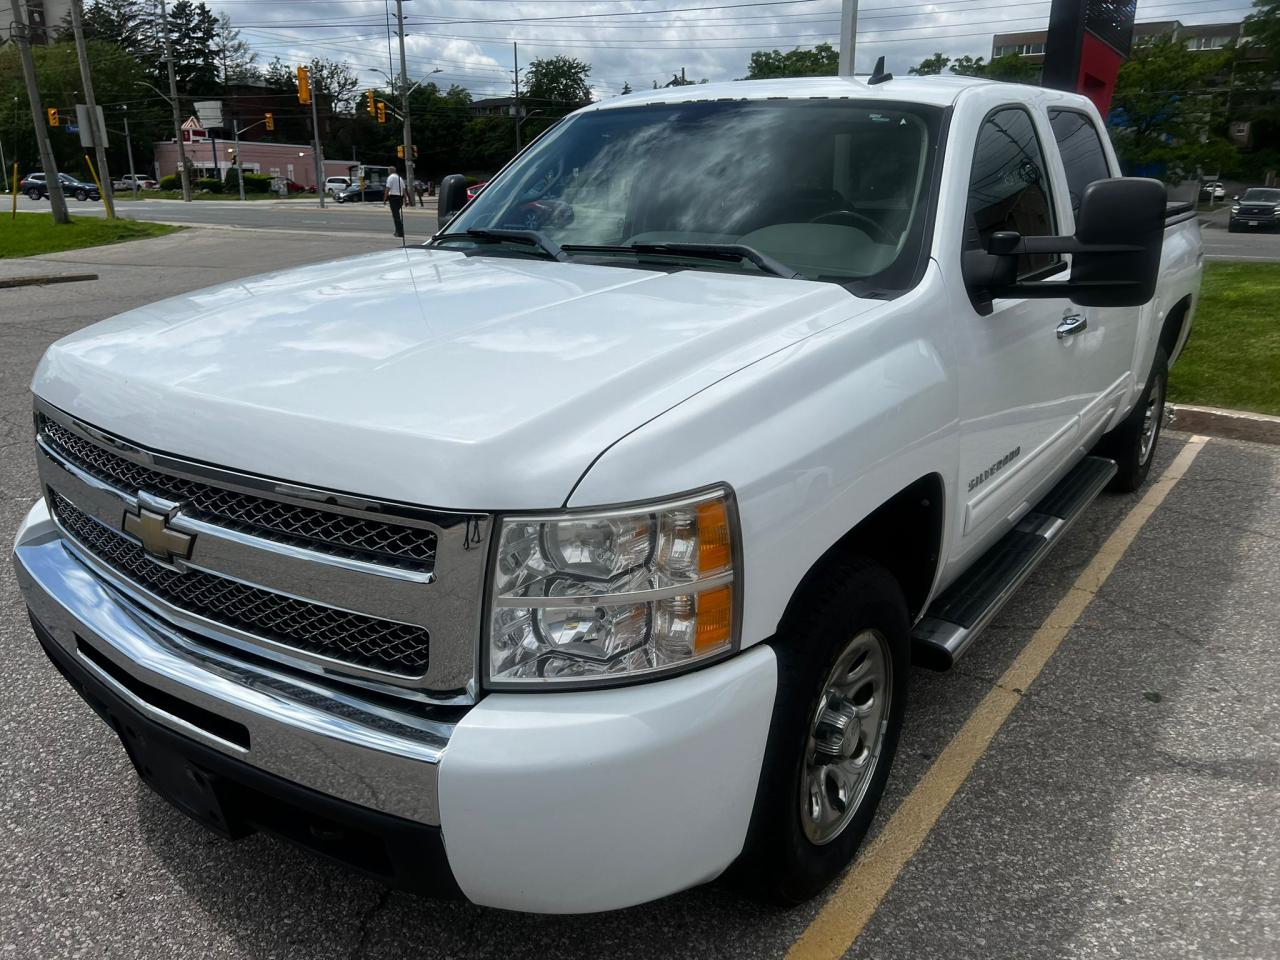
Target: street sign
point(210, 113)
point(85, 128)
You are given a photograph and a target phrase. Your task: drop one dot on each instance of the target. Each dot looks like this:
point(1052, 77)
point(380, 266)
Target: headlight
point(1235, 208)
point(612, 595)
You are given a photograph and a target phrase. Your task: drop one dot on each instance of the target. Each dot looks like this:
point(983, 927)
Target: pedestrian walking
point(393, 192)
point(419, 188)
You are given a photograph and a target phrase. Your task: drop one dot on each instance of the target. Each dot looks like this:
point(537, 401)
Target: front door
point(1019, 401)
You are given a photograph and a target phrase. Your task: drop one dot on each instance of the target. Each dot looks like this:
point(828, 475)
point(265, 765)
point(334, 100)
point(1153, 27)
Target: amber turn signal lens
point(715, 620)
point(713, 537)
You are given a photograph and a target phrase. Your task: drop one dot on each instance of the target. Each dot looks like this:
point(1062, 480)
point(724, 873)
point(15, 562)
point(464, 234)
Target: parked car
point(128, 181)
point(473, 191)
point(1259, 207)
point(1214, 191)
point(568, 568)
point(35, 187)
point(356, 194)
point(335, 185)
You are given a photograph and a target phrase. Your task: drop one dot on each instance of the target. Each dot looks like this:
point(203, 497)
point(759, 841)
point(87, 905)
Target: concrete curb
point(1231, 424)
point(40, 280)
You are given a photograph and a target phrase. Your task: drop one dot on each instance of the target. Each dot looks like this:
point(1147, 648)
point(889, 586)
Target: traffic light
point(400, 150)
point(304, 85)
point(270, 119)
point(54, 120)
point(382, 112)
point(369, 103)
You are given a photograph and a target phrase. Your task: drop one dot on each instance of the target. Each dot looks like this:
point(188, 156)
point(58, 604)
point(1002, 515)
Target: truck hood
point(426, 376)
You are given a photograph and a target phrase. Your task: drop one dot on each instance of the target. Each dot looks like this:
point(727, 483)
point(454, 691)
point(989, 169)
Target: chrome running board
point(962, 611)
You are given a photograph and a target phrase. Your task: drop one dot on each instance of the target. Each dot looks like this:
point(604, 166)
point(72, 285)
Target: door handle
point(1072, 324)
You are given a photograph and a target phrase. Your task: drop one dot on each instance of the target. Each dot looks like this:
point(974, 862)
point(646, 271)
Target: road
point(1260, 245)
point(305, 216)
point(1128, 806)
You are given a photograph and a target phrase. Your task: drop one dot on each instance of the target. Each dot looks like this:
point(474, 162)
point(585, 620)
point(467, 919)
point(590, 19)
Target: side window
point(1082, 154)
point(1009, 186)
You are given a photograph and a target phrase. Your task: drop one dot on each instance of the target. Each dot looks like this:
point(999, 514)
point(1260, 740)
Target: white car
point(335, 185)
point(128, 180)
point(569, 566)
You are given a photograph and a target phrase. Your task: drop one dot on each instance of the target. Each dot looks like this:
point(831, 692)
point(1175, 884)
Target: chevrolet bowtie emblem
point(161, 541)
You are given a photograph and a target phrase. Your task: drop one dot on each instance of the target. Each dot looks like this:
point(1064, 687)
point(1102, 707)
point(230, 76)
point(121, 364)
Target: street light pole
point(97, 133)
point(404, 106)
point(52, 184)
point(173, 102)
point(848, 36)
point(515, 63)
point(128, 145)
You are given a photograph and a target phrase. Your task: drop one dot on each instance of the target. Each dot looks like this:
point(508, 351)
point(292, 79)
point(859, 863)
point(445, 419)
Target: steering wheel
point(850, 218)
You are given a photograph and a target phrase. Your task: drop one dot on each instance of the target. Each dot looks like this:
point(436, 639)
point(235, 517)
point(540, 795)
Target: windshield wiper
point(529, 237)
point(709, 251)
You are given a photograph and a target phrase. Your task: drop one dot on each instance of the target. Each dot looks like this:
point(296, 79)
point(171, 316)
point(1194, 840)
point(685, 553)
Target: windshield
point(834, 190)
point(1262, 196)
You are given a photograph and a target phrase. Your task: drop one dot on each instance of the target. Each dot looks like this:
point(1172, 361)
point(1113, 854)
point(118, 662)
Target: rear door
point(1105, 347)
point(1019, 399)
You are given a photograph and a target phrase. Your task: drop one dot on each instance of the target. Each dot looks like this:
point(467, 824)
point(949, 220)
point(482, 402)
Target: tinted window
point(1009, 186)
point(1082, 154)
point(1257, 195)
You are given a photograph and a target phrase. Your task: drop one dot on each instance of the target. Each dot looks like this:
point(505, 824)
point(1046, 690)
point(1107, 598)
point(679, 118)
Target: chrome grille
point(324, 631)
point(355, 538)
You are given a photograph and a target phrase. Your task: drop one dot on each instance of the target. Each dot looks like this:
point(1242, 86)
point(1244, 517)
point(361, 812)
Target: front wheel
point(82, 195)
point(1132, 444)
point(843, 663)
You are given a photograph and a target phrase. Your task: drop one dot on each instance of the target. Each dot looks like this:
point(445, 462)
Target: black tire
point(82, 195)
point(780, 862)
point(1231, 227)
point(34, 194)
point(1128, 443)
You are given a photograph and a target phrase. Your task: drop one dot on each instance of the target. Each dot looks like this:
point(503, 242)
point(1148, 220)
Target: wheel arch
point(904, 535)
point(1176, 322)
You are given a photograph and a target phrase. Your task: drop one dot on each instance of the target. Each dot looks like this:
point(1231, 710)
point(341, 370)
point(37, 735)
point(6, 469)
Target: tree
point(1168, 110)
point(1010, 67)
point(821, 61)
point(558, 84)
point(931, 66)
point(335, 81)
point(237, 61)
point(192, 32)
point(121, 22)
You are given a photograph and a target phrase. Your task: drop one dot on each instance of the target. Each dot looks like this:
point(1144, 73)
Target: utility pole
point(53, 184)
point(848, 36)
point(128, 145)
point(318, 150)
point(99, 135)
point(235, 129)
point(173, 102)
point(515, 73)
point(404, 106)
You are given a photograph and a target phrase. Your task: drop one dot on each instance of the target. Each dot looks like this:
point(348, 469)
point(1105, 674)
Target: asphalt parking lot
point(1100, 777)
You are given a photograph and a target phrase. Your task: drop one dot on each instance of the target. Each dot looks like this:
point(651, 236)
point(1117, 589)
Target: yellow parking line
point(855, 900)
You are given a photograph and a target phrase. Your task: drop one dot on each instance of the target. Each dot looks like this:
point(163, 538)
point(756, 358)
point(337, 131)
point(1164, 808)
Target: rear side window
point(1009, 186)
point(1082, 154)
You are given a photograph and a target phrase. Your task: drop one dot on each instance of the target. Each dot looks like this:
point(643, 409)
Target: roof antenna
point(877, 74)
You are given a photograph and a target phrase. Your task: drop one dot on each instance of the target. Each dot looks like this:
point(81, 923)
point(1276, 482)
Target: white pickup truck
point(581, 555)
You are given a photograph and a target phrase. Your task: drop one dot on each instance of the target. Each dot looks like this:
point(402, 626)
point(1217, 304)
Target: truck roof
point(938, 91)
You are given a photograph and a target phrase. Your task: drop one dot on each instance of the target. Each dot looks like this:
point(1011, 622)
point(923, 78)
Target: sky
point(469, 42)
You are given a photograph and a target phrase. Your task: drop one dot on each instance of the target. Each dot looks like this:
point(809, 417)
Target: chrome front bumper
point(317, 736)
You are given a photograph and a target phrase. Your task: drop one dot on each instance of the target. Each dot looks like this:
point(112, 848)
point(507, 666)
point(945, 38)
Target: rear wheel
point(1132, 445)
point(33, 193)
point(843, 662)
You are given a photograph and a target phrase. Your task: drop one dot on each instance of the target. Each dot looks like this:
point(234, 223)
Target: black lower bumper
point(235, 799)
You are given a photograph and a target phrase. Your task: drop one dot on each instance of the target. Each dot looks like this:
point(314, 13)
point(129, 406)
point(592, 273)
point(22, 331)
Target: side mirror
point(1115, 253)
point(453, 197)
